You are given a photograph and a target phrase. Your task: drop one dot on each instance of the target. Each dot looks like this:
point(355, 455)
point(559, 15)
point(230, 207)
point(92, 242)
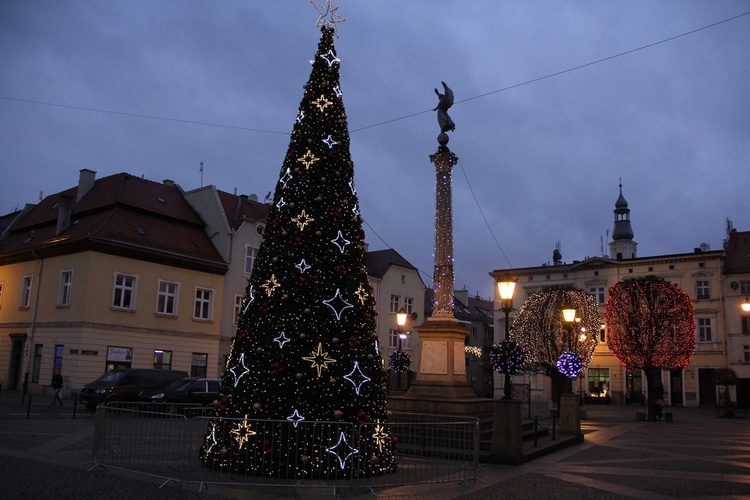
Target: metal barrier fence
point(165, 442)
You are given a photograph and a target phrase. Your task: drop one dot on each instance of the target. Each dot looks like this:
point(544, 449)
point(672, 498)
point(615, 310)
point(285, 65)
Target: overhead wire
point(404, 117)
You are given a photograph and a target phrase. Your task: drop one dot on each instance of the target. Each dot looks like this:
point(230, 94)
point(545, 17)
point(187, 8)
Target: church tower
point(622, 246)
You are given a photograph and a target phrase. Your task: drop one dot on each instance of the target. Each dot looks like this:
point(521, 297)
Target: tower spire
point(622, 245)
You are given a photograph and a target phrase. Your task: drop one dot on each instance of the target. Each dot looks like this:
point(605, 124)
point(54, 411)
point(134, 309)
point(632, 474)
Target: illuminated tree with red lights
point(540, 330)
point(650, 327)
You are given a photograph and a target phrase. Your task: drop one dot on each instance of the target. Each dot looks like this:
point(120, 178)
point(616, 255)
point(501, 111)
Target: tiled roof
point(240, 208)
point(120, 214)
point(378, 262)
point(738, 253)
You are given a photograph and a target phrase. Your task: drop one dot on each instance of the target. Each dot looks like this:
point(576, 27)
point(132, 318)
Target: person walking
point(57, 383)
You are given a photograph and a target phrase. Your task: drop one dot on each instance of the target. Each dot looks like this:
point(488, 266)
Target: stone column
point(570, 417)
point(507, 438)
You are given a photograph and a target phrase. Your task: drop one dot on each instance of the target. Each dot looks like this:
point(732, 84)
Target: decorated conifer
point(305, 349)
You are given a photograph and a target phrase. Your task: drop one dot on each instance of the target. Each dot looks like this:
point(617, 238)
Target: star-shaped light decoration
point(250, 299)
point(380, 436)
point(281, 340)
point(361, 294)
point(340, 241)
point(328, 141)
point(322, 103)
point(330, 58)
point(281, 204)
point(302, 220)
point(300, 116)
point(271, 285)
point(341, 304)
point(238, 374)
point(356, 377)
point(337, 91)
point(341, 448)
point(319, 359)
point(351, 186)
point(302, 266)
point(328, 16)
point(295, 417)
point(286, 177)
point(307, 159)
point(212, 438)
point(242, 432)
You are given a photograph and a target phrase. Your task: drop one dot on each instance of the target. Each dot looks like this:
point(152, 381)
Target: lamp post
point(569, 316)
point(582, 338)
point(505, 288)
point(400, 321)
point(746, 305)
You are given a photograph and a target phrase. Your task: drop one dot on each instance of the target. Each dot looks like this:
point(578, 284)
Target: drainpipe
point(32, 329)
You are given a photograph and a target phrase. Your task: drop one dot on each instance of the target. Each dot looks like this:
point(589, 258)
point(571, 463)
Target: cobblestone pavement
point(699, 455)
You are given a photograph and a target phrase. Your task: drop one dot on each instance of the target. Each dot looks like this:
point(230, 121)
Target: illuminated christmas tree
point(650, 327)
point(305, 349)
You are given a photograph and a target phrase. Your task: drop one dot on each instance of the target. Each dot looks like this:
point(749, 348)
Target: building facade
point(115, 272)
point(699, 273)
point(736, 284)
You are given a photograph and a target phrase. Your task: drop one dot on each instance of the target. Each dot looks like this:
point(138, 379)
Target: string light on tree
point(306, 339)
point(570, 364)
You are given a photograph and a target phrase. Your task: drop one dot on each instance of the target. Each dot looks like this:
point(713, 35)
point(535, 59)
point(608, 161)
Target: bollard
point(536, 431)
point(28, 409)
point(554, 420)
point(75, 405)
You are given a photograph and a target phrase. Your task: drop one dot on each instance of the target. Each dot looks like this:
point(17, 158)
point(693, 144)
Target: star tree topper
point(327, 16)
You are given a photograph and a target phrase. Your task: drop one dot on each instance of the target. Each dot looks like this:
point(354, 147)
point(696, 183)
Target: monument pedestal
point(442, 361)
point(570, 417)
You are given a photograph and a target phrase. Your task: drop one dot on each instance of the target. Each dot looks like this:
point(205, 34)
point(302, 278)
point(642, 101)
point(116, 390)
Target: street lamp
point(505, 288)
point(746, 305)
point(582, 338)
point(400, 321)
point(569, 316)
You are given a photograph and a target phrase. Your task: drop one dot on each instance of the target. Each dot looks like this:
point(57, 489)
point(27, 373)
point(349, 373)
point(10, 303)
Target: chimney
point(85, 182)
point(168, 182)
point(64, 207)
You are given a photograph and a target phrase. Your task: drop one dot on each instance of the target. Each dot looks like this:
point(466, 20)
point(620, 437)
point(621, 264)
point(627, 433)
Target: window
point(745, 325)
point(166, 298)
point(124, 292)
point(408, 305)
point(57, 367)
point(118, 357)
point(704, 330)
point(473, 333)
point(26, 292)
point(203, 304)
point(702, 290)
point(745, 287)
point(393, 338)
point(2, 283)
point(66, 282)
point(37, 367)
point(237, 308)
point(598, 294)
point(162, 360)
point(598, 382)
point(603, 334)
point(250, 254)
point(395, 303)
point(198, 364)
point(747, 353)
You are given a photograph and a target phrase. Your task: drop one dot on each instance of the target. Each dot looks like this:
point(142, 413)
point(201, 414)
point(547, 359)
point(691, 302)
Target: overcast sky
point(543, 136)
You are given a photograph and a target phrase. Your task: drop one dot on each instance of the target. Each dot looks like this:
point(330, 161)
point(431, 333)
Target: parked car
point(126, 385)
point(202, 391)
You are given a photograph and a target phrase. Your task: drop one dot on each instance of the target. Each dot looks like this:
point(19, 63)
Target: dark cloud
point(540, 162)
